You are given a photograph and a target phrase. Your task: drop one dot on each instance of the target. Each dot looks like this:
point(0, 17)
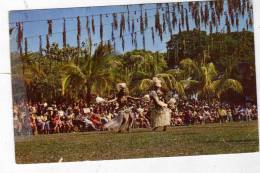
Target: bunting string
point(167, 17)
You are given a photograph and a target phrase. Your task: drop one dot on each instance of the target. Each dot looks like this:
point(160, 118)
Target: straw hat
point(157, 82)
point(146, 98)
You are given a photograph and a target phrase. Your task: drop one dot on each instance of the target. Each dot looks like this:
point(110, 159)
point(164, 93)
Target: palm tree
point(144, 61)
point(27, 75)
point(94, 74)
point(137, 65)
point(168, 82)
point(211, 84)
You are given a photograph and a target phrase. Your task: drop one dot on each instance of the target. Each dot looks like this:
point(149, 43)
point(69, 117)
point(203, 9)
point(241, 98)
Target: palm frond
point(178, 74)
point(64, 83)
point(145, 84)
point(230, 84)
point(211, 70)
point(71, 74)
point(72, 69)
point(189, 83)
point(179, 88)
point(190, 68)
point(168, 80)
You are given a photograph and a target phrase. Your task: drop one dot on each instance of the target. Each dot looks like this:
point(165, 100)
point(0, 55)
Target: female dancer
point(160, 114)
point(125, 116)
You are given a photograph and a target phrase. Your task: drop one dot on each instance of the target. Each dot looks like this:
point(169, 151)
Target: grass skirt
point(116, 122)
point(161, 117)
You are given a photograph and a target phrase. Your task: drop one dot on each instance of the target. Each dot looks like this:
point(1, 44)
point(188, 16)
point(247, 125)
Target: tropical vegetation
point(209, 66)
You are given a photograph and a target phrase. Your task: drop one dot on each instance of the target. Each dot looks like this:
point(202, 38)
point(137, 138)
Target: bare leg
point(93, 126)
point(164, 128)
point(57, 129)
point(130, 123)
point(121, 126)
point(155, 128)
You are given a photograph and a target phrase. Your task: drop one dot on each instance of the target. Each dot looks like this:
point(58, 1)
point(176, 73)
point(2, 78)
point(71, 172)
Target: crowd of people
point(45, 118)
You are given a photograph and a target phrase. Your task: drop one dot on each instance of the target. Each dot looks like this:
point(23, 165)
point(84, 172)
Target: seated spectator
point(17, 124)
point(96, 120)
point(45, 119)
point(222, 114)
point(68, 120)
point(229, 115)
point(33, 126)
point(56, 122)
point(40, 124)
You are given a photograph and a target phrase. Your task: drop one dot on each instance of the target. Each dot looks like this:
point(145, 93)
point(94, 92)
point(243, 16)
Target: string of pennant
point(137, 19)
point(107, 14)
point(94, 43)
point(166, 19)
point(83, 28)
point(94, 15)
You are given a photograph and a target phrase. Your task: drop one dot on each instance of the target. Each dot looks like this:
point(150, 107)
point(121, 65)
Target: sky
point(38, 26)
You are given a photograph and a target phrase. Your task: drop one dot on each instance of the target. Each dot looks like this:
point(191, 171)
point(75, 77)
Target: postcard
point(133, 81)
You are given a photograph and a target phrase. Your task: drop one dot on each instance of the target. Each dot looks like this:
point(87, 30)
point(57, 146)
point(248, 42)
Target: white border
point(238, 163)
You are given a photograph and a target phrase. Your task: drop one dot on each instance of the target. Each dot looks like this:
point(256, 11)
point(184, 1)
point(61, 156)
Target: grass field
point(176, 141)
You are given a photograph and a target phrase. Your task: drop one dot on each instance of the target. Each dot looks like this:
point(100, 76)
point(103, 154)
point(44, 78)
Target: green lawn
point(176, 141)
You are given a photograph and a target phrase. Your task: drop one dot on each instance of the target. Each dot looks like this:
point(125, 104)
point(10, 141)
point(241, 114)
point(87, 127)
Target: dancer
point(160, 114)
point(125, 116)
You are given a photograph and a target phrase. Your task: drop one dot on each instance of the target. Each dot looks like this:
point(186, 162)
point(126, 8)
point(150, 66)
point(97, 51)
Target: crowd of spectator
point(45, 118)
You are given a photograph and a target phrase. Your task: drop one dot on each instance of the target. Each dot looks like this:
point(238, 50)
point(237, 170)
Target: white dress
point(160, 114)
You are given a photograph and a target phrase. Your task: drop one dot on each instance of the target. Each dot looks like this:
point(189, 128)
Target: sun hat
point(146, 98)
point(50, 109)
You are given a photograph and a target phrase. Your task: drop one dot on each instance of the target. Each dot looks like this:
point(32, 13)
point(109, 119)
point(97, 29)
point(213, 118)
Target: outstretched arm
point(113, 100)
point(133, 98)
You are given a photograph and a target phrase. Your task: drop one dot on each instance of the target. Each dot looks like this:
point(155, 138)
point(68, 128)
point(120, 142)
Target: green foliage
point(231, 54)
point(209, 83)
point(196, 63)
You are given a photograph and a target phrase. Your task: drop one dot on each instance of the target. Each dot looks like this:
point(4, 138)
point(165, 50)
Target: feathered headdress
point(121, 86)
point(157, 82)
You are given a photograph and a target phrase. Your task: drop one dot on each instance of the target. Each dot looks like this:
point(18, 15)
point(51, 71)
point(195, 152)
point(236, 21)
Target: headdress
point(157, 82)
point(121, 86)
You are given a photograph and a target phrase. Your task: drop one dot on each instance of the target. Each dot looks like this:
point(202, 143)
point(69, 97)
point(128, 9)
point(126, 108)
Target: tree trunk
point(88, 96)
